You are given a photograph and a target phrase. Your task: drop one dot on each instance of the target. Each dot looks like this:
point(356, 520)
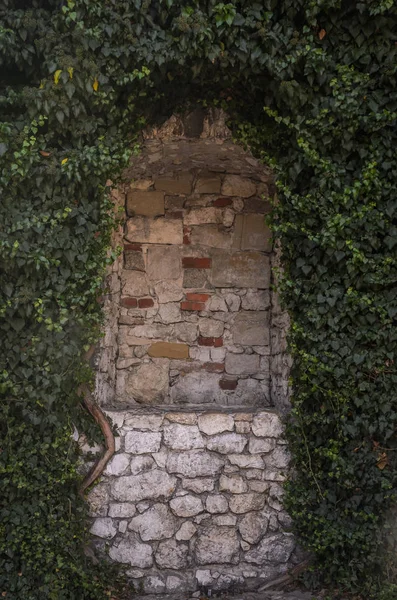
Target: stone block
point(153, 585)
point(251, 328)
point(142, 442)
point(182, 418)
point(194, 463)
point(195, 278)
point(234, 185)
point(242, 364)
point(228, 520)
point(267, 424)
point(252, 527)
point(240, 269)
point(211, 328)
point(256, 300)
point(150, 485)
point(243, 503)
point(168, 350)
point(257, 205)
point(134, 283)
point(186, 531)
point(208, 184)
point(203, 216)
point(234, 484)
point(163, 262)
point(195, 388)
point(155, 231)
point(131, 551)
point(98, 500)
point(147, 204)
point(148, 384)
point(179, 184)
point(213, 236)
point(134, 261)
point(227, 443)
point(252, 233)
point(217, 304)
point(244, 461)
point(144, 422)
point(157, 523)
point(103, 528)
point(186, 506)
point(274, 548)
point(121, 510)
point(171, 555)
point(216, 503)
point(141, 463)
point(217, 545)
point(168, 291)
point(260, 446)
point(213, 423)
point(279, 458)
point(141, 184)
point(118, 464)
point(198, 486)
point(182, 437)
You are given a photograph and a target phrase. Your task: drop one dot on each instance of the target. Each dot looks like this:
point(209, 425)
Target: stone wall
point(197, 321)
point(193, 500)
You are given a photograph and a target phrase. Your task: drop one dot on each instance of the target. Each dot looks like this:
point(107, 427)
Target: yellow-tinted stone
point(168, 350)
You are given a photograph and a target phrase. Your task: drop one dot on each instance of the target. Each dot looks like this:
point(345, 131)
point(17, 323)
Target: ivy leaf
point(57, 75)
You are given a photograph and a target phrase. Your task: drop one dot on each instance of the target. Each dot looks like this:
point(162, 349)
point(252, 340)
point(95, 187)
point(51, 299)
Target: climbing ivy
point(311, 86)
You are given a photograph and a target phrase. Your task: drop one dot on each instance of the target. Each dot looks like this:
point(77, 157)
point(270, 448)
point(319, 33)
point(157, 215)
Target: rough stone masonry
point(194, 350)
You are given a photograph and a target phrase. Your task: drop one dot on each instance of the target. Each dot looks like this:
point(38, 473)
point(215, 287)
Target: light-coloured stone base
point(193, 500)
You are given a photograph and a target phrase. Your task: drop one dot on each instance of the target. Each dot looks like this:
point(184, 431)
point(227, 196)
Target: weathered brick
point(186, 235)
point(197, 297)
point(187, 305)
point(213, 367)
point(222, 202)
point(210, 341)
point(129, 302)
point(168, 350)
point(145, 302)
point(192, 262)
point(228, 384)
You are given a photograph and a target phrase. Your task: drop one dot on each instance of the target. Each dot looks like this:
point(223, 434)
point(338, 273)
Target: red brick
point(228, 384)
point(197, 297)
point(178, 214)
point(133, 247)
point(191, 262)
point(210, 341)
point(129, 302)
point(187, 305)
point(186, 235)
point(214, 367)
point(221, 202)
point(145, 303)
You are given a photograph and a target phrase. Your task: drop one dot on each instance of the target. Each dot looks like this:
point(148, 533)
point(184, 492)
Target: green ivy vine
point(311, 87)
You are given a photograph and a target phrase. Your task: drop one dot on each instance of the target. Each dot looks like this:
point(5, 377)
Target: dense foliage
point(75, 79)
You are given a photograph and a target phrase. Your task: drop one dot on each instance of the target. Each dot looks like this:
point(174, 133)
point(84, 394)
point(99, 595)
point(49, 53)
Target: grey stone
point(168, 291)
point(186, 506)
point(142, 442)
point(118, 464)
point(149, 383)
point(274, 548)
point(153, 584)
point(202, 216)
point(157, 523)
point(234, 484)
point(213, 236)
point(131, 551)
point(227, 520)
point(211, 328)
point(204, 577)
point(186, 332)
point(267, 424)
point(252, 527)
point(174, 583)
point(218, 354)
point(217, 303)
point(182, 418)
point(252, 233)
point(195, 278)
point(228, 217)
point(134, 283)
point(258, 446)
point(240, 269)
point(234, 185)
point(241, 364)
point(233, 302)
point(151, 485)
point(210, 184)
point(161, 457)
point(134, 261)
point(212, 423)
point(123, 526)
point(171, 555)
point(98, 500)
point(227, 443)
point(243, 503)
point(194, 463)
point(155, 231)
point(259, 486)
point(186, 531)
point(163, 262)
point(195, 388)
point(145, 422)
point(103, 528)
point(216, 503)
point(251, 328)
point(199, 485)
point(142, 506)
point(217, 545)
point(244, 461)
point(170, 313)
point(256, 300)
point(182, 437)
point(139, 464)
point(122, 510)
point(279, 458)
